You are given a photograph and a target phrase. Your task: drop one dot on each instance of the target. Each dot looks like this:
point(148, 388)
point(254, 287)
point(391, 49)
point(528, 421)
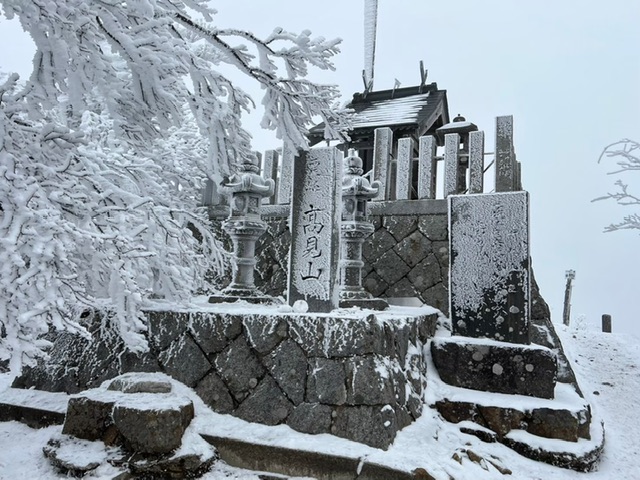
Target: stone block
point(184, 361)
point(495, 367)
point(264, 333)
point(266, 404)
point(240, 368)
point(213, 391)
point(501, 420)
point(166, 327)
point(326, 382)
point(147, 428)
point(554, 423)
point(89, 417)
point(435, 227)
point(369, 381)
point(414, 248)
point(425, 274)
point(311, 418)
point(391, 267)
point(288, 366)
point(400, 226)
point(375, 426)
point(132, 384)
point(377, 244)
point(374, 284)
point(213, 332)
point(437, 296)
point(336, 337)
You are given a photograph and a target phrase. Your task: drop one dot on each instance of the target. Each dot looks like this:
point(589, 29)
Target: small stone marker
point(489, 266)
point(315, 217)
point(382, 147)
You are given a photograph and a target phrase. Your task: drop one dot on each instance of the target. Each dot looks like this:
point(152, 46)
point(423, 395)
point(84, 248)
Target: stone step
point(35, 408)
point(300, 463)
point(279, 462)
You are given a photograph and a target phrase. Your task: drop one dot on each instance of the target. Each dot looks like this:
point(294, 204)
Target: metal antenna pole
point(569, 275)
point(370, 25)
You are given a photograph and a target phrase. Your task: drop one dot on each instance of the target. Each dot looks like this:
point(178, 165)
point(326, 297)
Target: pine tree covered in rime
point(104, 150)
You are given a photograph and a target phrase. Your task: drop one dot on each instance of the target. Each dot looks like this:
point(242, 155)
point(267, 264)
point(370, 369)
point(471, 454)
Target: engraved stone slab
point(404, 166)
point(505, 159)
point(451, 170)
point(286, 175)
point(315, 216)
point(427, 165)
point(382, 146)
point(489, 266)
point(270, 171)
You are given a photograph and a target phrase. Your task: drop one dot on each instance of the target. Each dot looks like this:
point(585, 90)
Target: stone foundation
point(358, 375)
point(499, 367)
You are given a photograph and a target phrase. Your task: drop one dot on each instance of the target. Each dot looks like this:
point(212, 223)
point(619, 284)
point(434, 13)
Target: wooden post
point(606, 323)
point(427, 165)
point(566, 314)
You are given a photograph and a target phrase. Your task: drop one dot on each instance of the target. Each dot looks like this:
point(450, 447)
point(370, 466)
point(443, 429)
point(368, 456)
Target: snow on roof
point(392, 111)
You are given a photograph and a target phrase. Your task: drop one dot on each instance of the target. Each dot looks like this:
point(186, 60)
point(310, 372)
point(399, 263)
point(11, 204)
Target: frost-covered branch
point(627, 155)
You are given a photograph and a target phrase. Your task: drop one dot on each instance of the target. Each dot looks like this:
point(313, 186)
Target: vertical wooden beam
point(270, 171)
point(404, 165)
point(476, 162)
point(505, 165)
point(451, 148)
point(382, 145)
point(427, 167)
point(286, 175)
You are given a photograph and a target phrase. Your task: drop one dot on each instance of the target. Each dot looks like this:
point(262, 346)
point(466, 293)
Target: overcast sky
point(567, 70)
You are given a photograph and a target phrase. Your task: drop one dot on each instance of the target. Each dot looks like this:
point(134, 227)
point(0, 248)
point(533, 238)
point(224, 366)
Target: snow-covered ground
point(608, 367)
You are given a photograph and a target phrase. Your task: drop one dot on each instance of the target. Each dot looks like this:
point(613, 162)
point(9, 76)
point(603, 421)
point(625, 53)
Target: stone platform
point(355, 374)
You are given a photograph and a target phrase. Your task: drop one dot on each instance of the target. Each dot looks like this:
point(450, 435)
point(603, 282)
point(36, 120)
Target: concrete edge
point(33, 417)
point(301, 463)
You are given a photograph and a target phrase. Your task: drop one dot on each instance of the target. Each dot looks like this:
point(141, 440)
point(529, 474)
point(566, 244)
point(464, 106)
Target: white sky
point(567, 70)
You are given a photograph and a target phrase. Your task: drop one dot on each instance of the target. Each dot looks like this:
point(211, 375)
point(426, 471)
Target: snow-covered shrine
point(345, 271)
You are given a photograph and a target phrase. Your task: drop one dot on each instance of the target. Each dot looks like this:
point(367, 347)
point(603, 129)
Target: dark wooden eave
point(409, 111)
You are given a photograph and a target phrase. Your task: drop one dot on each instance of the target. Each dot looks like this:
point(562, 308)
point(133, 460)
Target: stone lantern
point(246, 188)
point(354, 228)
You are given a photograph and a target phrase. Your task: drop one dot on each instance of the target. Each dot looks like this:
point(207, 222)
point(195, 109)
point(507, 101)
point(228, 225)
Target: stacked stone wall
point(360, 377)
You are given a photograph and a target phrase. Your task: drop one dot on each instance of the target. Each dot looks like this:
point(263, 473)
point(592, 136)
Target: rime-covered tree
point(627, 156)
point(103, 151)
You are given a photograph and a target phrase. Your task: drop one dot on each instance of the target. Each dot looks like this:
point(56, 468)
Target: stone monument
point(315, 215)
point(490, 300)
